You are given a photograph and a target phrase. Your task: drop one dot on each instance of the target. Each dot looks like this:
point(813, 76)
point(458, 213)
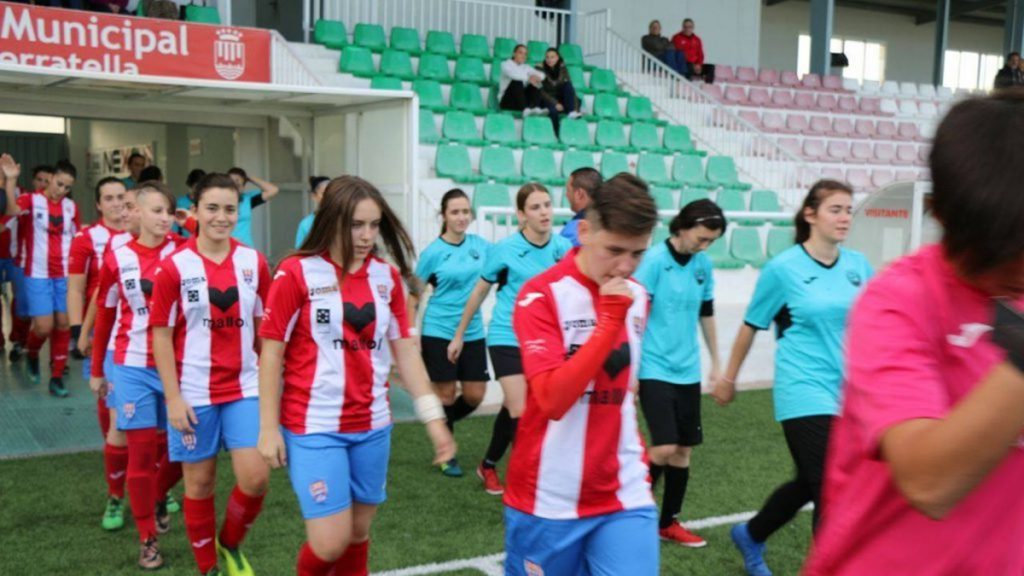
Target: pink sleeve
point(399, 315)
point(163, 308)
point(285, 299)
point(893, 372)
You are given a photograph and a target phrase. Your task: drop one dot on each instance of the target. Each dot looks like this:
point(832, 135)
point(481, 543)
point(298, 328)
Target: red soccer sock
point(242, 511)
point(142, 480)
point(59, 352)
point(103, 416)
point(115, 463)
point(355, 561)
point(34, 343)
point(168, 474)
point(201, 526)
point(310, 564)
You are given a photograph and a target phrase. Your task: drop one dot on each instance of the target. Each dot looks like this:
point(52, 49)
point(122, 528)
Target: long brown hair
point(821, 191)
point(333, 220)
point(448, 197)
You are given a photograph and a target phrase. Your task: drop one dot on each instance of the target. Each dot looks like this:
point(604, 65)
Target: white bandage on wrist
point(428, 408)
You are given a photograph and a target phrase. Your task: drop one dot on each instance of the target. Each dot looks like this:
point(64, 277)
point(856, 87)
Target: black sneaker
point(57, 388)
point(163, 518)
point(33, 369)
point(17, 351)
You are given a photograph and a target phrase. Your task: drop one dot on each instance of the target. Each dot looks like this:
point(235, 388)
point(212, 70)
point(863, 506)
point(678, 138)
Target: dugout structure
point(893, 222)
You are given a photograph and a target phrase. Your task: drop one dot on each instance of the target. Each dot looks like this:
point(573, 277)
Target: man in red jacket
point(690, 45)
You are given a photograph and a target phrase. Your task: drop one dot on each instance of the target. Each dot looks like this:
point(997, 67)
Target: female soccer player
point(927, 458)
point(807, 291)
point(124, 293)
point(578, 499)
point(450, 266)
point(47, 220)
point(509, 264)
point(679, 281)
point(207, 303)
point(335, 314)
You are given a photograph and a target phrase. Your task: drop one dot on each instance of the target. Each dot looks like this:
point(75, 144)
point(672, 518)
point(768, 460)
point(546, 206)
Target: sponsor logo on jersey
point(529, 298)
point(193, 296)
point(578, 324)
point(318, 490)
point(319, 290)
point(969, 335)
point(323, 320)
point(190, 282)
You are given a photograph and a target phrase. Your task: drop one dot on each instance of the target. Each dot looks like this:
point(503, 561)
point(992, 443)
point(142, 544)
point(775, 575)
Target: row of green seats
point(743, 247)
point(688, 171)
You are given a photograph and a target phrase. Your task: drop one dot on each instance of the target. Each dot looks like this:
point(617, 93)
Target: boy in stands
point(47, 221)
point(578, 498)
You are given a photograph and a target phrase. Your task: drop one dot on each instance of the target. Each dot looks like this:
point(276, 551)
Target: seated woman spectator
point(556, 91)
point(519, 86)
point(663, 49)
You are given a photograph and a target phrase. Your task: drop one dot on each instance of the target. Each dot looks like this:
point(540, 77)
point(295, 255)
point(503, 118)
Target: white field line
point(492, 565)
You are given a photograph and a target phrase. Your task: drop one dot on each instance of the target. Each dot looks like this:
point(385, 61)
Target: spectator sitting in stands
point(663, 49)
point(1010, 75)
point(557, 92)
point(519, 86)
point(689, 44)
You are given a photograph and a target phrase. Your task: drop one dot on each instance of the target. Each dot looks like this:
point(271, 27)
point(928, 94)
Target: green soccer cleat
point(172, 505)
point(57, 388)
point(234, 561)
point(113, 516)
point(451, 469)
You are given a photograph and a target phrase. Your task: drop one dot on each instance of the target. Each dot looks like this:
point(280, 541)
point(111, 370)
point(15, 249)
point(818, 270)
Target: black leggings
point(807, 439)
point(519, 96)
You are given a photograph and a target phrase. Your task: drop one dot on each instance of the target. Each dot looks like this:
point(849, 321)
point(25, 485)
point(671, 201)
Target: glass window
point(867, 59)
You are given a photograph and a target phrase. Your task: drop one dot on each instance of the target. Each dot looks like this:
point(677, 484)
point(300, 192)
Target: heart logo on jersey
point(617, 361)
point(224, 299)
point(147, 286)
point(57, 221)
point(359, 317)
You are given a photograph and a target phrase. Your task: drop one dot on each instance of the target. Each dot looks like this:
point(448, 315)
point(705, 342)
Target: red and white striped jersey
point(45, 230)
point(87, 249)
point(213, 309)
point(592, 461)
point(9, 233)
point(126, 283)
point(337, 357)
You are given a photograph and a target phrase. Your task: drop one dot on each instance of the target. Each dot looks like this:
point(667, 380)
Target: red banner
point(99, 42)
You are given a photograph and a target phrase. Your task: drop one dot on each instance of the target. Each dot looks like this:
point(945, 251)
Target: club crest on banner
point(229, 53)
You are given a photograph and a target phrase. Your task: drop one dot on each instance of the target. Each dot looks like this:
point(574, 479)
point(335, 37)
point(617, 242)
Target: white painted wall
point(909, 48)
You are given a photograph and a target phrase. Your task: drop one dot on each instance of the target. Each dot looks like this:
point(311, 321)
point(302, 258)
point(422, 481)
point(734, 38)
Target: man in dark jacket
point(662, 48)
point(1011, 74)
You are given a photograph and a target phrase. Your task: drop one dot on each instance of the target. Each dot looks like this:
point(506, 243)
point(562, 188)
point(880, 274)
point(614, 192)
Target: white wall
point(909, 48)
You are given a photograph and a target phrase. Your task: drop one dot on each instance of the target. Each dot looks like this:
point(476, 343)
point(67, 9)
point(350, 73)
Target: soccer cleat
point(149, 555)
point(489, 476)
point(57, 388)
point(678, 534)
point(172, 505)
point(753, 552)
point(33, 369)
point(17, 351)
point(163, 518)
point(451, 469)
point(113, 516)
point(234, 561)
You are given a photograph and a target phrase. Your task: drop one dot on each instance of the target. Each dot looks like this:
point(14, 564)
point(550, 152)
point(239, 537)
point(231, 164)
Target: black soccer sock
point(460, 408)
point(676, 480)
point(501, 437)
point(656, 472)
point(449, 419)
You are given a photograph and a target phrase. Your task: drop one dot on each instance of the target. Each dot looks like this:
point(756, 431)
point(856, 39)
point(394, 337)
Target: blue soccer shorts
point(45, 296)
point(232, 425)
point(140, 399)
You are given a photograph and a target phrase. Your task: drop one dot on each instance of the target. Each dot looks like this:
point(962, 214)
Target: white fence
point(286, 68)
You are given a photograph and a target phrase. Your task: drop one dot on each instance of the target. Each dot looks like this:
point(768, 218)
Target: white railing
point(591, 35)
point(718, 130)
point(286, 68)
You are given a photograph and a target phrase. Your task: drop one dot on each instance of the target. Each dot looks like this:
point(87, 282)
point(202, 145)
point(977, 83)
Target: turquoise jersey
point(305, 225)
point(680, 287)
point(452, 270)
point(182, 203)
point(243, 230)
point(511, 263)
point(809, 303)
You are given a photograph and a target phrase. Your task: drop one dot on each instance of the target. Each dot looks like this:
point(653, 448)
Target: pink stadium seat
point(724, 73)
point(768, 77)
point(774, 122)
point(832, 82)
point(791, 145)
point(864, 128)
point(906, 154)
point(870, 105)
point(833, 174)
point(759, 97)
point(907, 131)
point(782, 99)
point(880, 178)
point(751, 116)
point(884, 153)
point(746, 75)
point(713, 90)
point(886, 129)
point(811, 81)
point(906, 175)
point(735, 95)
point(821, 126)
point(804, 101)
point(858, 178)
point(790, 79)
point(847, 104)
point(827, 102)
point(843, 127)
point(838, 150)
point(814, 149)
point(796, 124)
point(860, 153)
point(922, 155)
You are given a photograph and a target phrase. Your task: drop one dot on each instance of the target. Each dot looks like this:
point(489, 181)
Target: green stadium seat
point(468, 69)
point(613, 163)
point(576, 78)
point(538, 131)
point(651, 168)
point(492, 195)
point(498, 164)
point(603, 80)
point(386, 83)
point(689, 171)
point(563, 202)
point(428, 129)
point(722, 172)
point(766, 201)
point(539, 166)
point(611, 135)
point(664, 198)
point(572, 55)
point(779, 240)
point(357, 61)
point(202, 14)
point(442, 43)
point(535, 50)
point(731, 201)
point(465, 96)
point(575, 133)
point(607, 106)
point(435, 67)
point(692, 195)
point(453, 162)
point(459, 126)
point(639, 108)
point(430, 94)
point(573, 160)
point(504, 47)
point(406, 40)
point(718, 252)
point(475, 46)
point(677, 139)
point(330, 33)
point(396, 63)
point(501, 129)
point(644, 136)
point(659, 235)
point(745, 245)
point(370, 36)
